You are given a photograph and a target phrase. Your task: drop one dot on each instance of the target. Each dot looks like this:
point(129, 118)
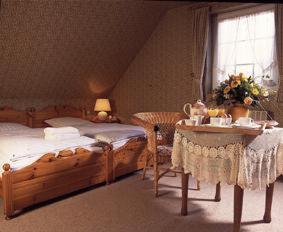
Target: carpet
point(129, 205)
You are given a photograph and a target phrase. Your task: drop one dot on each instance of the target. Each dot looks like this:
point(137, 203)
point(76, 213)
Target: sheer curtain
point(246, 44)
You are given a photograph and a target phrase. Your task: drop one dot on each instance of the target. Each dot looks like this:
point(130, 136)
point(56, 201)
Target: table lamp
point(102, 105)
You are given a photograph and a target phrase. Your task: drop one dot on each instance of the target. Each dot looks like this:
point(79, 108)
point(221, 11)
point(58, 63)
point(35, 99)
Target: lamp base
point(102, 115)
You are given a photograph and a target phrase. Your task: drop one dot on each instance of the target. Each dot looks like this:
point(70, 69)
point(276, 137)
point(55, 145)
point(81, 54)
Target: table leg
point(268, 203)
point(218, 193)
point(238, 206)
point(185, 182)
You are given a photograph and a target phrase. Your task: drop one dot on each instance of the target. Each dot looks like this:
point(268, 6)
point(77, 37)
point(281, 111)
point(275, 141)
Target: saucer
point(224, 126)
point(252, 126)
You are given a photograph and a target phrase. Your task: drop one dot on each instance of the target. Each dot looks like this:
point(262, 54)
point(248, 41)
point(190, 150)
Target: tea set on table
point(200, 115)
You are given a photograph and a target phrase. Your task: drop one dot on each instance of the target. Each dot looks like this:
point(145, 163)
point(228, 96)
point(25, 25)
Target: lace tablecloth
point(251, 162)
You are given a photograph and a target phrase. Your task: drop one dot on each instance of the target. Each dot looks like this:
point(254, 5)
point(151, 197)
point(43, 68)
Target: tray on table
point(229, 130)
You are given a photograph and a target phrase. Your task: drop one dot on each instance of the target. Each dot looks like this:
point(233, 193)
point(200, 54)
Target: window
point(246, 44)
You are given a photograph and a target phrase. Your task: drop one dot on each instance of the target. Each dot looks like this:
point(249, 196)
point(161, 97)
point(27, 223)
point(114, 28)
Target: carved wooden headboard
point(38, 117)
point(70, 111)
point(8, 114)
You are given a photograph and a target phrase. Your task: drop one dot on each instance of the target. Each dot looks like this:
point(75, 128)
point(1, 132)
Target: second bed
point(128, 142)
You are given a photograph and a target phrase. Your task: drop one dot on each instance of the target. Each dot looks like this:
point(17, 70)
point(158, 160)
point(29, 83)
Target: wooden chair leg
point(218, 193)
point(185, 183)
point(268, 203)
point(238, 206)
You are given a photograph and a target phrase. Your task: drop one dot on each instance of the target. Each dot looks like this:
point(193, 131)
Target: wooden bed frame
point(126, 159)
point(37, 118)
point(50, 176)
point(130, 157)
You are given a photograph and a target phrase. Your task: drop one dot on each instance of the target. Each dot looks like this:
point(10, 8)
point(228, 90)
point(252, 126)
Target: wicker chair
point(159, 128)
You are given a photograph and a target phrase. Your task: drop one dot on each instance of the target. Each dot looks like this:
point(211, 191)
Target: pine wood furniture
point(126, 159)
point(37, 118)
point(130, 157)
point(95, 119)
point(50, 176)
point(158, 124)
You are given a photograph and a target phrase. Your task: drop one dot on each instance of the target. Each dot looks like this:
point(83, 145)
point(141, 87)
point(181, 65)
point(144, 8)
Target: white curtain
point(246, 44)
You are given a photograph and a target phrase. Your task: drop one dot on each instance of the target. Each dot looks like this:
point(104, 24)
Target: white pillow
point(9, 126)
point(66, 121)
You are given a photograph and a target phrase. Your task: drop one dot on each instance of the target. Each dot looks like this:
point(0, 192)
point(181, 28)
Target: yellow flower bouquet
point(239, 89)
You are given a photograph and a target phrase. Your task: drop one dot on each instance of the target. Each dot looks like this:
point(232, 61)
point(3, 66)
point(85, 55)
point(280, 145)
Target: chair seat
point(164, 150)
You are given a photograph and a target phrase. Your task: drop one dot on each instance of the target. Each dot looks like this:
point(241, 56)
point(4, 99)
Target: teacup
point(214, 121)
point(245, 121)
point(227, 121)
point(190, 122)
point(198, 118)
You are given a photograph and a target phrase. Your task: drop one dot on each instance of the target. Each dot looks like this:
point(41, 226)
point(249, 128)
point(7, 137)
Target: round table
point(247, 162)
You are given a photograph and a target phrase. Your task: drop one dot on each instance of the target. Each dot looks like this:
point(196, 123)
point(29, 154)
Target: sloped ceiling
point(70, 49)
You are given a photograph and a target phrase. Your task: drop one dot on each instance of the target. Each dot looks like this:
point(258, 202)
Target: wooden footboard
point(51, 176)
point(130, 157)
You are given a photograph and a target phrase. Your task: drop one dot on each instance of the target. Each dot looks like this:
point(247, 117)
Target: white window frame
point(229, 15)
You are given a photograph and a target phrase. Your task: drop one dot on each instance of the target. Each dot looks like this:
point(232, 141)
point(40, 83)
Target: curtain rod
point(235, 8)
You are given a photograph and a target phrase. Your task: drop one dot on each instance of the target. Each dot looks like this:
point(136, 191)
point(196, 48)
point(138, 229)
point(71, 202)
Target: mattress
point(113, 133)
point(23, 147)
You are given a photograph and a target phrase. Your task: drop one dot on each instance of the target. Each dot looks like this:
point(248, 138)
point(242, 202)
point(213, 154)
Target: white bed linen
point(22, 148)
point(126, 132)
point(95, 128)
point(114, 136)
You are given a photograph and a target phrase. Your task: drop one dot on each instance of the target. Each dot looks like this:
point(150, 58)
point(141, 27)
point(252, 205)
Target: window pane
point(246, 44)
point(227, 31)
point(227, 54)
point(264, 25)
point(263, 49)
point(242, 30)
point(247, 69)
point(244, 53)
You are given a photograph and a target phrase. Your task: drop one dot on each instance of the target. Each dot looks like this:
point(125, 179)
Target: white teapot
point(197, 108)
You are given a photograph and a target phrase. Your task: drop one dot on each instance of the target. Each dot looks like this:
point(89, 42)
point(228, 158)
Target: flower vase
point(238, 111)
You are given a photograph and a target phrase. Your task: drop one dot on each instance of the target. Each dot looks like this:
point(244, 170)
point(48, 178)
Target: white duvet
point(23, 147)
point(115, 133)
point(89, 130)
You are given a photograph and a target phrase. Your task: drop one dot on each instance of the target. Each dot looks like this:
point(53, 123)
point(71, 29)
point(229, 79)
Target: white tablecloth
point(251, 162)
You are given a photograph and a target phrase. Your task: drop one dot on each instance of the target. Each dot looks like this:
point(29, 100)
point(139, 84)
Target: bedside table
point(107, 120)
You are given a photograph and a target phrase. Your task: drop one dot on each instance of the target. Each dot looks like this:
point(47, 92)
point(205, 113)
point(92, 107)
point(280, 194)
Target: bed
point(128, 153)
point(52, 174)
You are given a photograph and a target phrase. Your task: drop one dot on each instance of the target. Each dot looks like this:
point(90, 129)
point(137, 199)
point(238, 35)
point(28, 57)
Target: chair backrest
point(259, 115)
point(164, 122)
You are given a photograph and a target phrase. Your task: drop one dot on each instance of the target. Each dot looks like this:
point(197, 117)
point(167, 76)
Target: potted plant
point(240, 93)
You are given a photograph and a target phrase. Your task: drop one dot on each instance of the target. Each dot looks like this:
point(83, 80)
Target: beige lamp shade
point(102, 104)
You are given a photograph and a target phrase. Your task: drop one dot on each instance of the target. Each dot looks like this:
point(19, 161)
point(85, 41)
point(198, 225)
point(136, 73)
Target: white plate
point(253, 126)
point(224, 126)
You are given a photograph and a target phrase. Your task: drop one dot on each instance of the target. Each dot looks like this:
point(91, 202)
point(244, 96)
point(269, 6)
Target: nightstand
point(111, 119)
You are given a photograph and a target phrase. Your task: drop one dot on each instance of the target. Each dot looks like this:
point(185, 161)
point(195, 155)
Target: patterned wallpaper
point(69, 51)
point(159, 79)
